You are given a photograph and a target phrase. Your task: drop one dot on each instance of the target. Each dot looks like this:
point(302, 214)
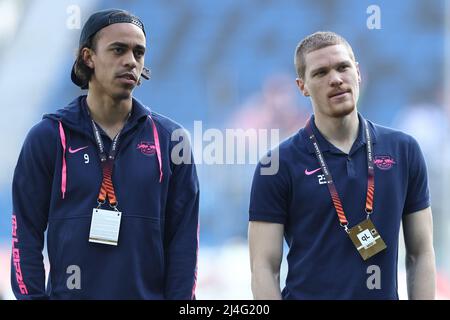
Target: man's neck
point(341, 132)
point(110, 114)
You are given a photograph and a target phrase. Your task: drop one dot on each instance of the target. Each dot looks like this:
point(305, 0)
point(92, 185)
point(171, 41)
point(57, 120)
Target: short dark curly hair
point(83, 71)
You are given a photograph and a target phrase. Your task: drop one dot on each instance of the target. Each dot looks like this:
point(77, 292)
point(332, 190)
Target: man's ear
point(359, 73)
point(86, 54)
point(302, 87)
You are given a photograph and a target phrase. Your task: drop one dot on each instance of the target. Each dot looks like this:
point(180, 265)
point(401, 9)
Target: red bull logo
point(384, 162)
point(146, 148)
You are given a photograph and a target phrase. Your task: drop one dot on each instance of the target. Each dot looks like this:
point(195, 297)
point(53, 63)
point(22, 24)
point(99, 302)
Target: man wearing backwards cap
point(121, 216)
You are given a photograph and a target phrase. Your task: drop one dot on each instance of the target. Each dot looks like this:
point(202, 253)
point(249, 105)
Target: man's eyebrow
point(324, 68)
point(140, 47)
point(342, 63)
point(124, 45)
point(118, 44)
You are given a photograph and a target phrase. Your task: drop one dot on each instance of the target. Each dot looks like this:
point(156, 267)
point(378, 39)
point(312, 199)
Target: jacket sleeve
point(31, 192)
point(181, 234)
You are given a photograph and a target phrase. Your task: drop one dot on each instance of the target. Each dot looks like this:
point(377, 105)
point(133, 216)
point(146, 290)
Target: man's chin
point(342, 110)
point(123, 93)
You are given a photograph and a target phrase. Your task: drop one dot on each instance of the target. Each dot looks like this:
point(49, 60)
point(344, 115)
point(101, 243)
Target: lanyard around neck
point(107, 163)
point(331, 186)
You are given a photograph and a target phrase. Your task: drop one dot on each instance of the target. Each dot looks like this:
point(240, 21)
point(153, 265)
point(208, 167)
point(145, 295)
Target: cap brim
point(145, 73)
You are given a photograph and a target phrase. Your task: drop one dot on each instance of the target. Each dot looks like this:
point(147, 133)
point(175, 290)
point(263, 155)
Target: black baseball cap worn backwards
point(100, 20)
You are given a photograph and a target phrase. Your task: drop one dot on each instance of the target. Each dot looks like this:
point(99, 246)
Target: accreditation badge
point(366, 239)
point(105, 225)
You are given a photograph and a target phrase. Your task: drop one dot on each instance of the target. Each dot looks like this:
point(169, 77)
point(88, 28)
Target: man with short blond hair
point(343, 189)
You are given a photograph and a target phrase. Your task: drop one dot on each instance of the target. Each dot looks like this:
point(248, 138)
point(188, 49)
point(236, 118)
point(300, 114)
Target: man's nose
point(335, 79)
point(130, 60)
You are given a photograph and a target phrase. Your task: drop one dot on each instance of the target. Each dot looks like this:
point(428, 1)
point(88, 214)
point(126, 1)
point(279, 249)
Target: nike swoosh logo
point(308, 173)
point(76, 150)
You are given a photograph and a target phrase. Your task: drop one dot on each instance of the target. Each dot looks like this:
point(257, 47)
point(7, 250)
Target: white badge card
point(105, 225)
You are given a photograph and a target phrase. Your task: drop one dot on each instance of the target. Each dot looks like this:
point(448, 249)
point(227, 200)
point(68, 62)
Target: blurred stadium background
point(230, 65)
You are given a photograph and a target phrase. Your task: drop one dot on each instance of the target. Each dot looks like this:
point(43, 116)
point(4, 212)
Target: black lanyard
point(101, 146)
point(107, 163)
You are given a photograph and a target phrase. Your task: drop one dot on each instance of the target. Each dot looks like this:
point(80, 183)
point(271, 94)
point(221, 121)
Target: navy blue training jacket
point(56, 183)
